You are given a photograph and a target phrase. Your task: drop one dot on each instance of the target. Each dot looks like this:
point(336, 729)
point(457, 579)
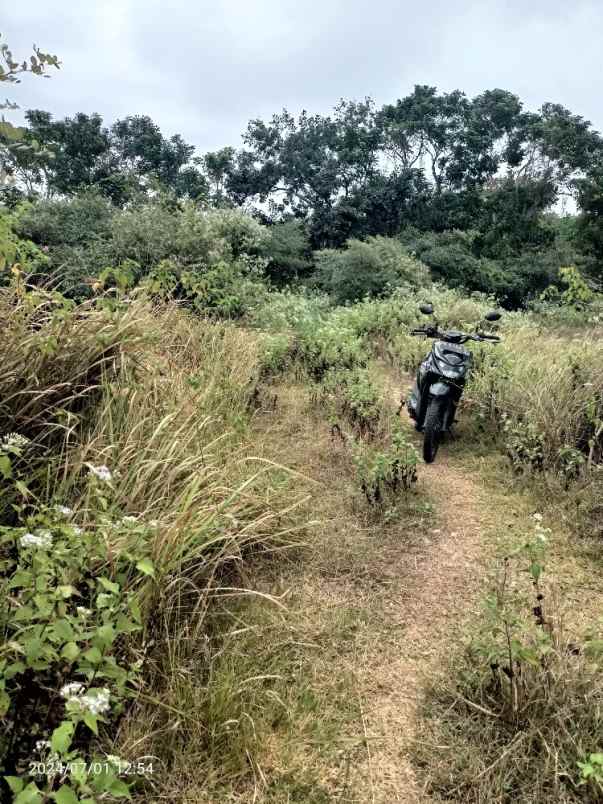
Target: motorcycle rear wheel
point(432, 429)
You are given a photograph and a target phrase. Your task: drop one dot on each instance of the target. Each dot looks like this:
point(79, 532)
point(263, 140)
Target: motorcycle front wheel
point(432, 429)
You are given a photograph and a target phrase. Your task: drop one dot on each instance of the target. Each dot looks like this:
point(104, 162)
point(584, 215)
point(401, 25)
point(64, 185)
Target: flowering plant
point(67, 604)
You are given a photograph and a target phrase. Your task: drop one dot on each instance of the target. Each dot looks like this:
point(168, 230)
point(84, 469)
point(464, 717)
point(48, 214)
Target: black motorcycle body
point(440, 381)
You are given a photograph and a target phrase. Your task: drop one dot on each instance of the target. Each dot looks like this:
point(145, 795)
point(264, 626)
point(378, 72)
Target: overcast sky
point(203, 69)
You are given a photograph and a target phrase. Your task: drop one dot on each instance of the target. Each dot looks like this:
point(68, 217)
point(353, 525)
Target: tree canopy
point(431, 162)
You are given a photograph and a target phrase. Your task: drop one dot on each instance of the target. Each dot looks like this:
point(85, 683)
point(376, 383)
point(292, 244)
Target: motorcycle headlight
point(451, 373)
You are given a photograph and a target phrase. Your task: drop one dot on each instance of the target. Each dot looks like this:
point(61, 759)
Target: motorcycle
point(441, 378)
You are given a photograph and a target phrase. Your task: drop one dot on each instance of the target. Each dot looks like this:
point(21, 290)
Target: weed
point(522, 714)
point(382, 474)
point(351, 394)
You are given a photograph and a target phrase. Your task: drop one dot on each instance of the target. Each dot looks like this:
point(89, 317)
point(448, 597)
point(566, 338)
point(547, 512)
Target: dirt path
point(378, 603)
point(438, 590)
point(386, 602)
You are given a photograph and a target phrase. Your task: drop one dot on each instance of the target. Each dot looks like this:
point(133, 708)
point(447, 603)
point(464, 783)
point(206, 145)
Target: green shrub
point(351, 394)
point(382, 474)
point(224, 289)
point(288, 252)
point(66, 666)
point(17, 253)
point(365, 269)
point(75, 235)
point(285, 310)
point(317, 350)
point(275, 354)
point(521, 715)
point(132, 416)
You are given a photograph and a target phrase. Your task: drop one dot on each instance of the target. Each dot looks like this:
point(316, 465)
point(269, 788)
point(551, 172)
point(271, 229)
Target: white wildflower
point(42, 539)
point(102, 472)
point(96, 704)
point(83, 611)
point(13, 441)
point(42, 745)
point(129, 520)
point(537, 517)
point(63, 510)
point(76, 530)
point(72, 689)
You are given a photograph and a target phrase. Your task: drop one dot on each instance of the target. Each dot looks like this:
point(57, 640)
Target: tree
point(76, 154)
point(141, 150)
point(20, 158)
point(11, 70)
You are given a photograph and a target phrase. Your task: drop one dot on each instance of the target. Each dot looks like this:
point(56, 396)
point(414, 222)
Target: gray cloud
point(204, 69)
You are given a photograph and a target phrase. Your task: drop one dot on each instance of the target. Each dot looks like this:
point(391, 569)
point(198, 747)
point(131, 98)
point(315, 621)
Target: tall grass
point(161, 400)
point(520, 716)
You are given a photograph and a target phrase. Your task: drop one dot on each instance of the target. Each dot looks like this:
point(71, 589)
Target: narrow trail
point(438, 590)
point(387, 601)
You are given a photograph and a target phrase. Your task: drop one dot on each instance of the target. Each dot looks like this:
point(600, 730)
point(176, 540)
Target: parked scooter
point(440, 380)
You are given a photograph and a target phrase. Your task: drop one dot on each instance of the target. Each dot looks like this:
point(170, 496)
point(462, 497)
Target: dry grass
point(162, 400)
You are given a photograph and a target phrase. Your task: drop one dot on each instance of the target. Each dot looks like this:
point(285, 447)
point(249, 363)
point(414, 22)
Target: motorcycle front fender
point(439, 389)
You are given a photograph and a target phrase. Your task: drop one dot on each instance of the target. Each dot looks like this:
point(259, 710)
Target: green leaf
point(125, 626)
point(65, 795)
point(61, 737)
point(63, 630)
point(119, 789)
point(103, 601)
point(105, 635)
point(15, 784)
point(20, 486)
point(70, 651)
point(21, 578)
point(109, 585)
point(107, 782)
point(33, 649)
point(31, 795)
point(6, 469)
point(91, 721)
point(93, 655)
point(23, 613)
point(145, 565)
point(135, 610)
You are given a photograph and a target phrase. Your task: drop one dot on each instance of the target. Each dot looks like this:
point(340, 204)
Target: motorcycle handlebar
point(433, 332)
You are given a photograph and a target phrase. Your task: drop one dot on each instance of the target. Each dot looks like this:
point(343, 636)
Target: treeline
point(468, 185)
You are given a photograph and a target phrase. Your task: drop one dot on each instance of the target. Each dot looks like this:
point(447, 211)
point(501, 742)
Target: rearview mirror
point(426, 309)
point(492, 316)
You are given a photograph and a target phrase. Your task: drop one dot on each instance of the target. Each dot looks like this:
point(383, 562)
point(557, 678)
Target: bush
point(17, 253)
point(352, 395)
point(318, 350)
point(75, 234)
point(367, 269)
point(547, 400)
point(288, 252)
point(521, 718)
point(382, 474)
point(514, 278)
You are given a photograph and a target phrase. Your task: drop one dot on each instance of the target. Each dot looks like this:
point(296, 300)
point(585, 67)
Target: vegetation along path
point(383, 602)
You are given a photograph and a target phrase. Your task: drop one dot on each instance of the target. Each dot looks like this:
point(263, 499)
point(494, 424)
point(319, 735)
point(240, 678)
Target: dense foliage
point(468, 184)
